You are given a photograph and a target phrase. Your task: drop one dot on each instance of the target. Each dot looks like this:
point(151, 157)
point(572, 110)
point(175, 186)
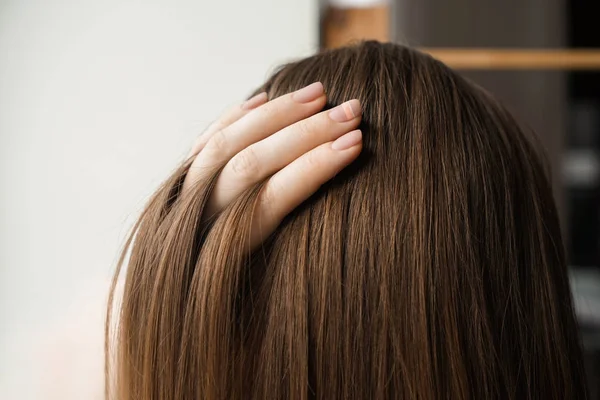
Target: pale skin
point(286, 140)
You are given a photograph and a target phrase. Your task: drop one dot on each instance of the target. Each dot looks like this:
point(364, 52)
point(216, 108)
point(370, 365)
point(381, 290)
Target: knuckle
point(313, 161)
point(216, 126)
point(272, 108)
point(245, 164)
point(305, 128)
point(218, 142)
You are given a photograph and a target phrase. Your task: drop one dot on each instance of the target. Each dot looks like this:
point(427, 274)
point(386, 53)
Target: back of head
point(432, 267)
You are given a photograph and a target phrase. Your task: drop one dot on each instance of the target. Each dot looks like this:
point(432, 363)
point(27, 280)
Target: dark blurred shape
point(581, 172)
point(582, 31)
point(582, 182)
point(583, 141)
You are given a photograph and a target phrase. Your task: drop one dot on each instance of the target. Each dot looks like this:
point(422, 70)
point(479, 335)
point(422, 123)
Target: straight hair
point(431, 268)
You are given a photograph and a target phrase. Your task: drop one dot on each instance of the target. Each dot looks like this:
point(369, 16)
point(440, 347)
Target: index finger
point(230, 116)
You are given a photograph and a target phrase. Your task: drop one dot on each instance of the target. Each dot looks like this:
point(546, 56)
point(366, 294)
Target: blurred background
point(100, 100)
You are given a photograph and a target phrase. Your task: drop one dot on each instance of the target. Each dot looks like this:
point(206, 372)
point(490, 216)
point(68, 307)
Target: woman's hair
point(432, 267)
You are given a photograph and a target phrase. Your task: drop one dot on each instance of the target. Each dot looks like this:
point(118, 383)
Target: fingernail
point(308, 93)
point(348, 140)
point(255, 101)
point(345, 111)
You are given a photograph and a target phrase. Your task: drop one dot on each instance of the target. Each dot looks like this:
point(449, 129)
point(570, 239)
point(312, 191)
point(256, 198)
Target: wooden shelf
point(521, 59)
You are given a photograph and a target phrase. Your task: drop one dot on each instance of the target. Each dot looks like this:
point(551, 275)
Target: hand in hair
point(431, 268)
point(283, 140)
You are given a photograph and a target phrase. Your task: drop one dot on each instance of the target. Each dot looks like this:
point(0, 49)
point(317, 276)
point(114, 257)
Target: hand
point(283, 139)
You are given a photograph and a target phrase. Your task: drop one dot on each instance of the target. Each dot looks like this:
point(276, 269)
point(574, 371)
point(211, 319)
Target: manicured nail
point(308, 93)
point(255, 101)
point(345, 111)
point(348, 140)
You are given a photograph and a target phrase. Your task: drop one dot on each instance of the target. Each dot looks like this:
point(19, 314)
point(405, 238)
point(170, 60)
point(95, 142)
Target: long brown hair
point(432, 267)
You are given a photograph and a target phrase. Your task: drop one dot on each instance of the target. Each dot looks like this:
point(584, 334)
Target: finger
point(291, 186)
point(254, 126)
point(230, 116)
point(262, 159)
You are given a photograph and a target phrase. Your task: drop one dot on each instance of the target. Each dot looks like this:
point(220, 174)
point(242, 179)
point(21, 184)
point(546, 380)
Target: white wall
point(98, 101)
